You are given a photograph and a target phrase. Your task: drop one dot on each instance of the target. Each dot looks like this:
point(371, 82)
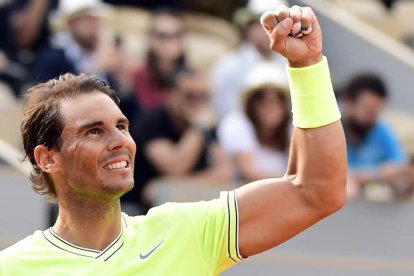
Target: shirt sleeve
point(394, 151)
point(216, 224)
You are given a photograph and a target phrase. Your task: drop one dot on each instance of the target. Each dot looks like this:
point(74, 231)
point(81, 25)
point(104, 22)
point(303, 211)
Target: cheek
point(80, 156)
point(132, 146)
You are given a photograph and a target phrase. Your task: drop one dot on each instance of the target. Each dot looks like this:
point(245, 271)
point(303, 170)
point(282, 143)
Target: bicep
point(274, 210)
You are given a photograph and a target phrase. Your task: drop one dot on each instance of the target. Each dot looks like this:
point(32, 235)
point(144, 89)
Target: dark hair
point(281, 133)
point(164, 79)
point(363, 83)
point(42, 124)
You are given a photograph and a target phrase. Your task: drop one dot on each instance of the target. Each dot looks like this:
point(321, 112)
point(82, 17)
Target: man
point(181, 129)
point(78, 142)
point(79, 47)
point(374, 153)
point(229, 73)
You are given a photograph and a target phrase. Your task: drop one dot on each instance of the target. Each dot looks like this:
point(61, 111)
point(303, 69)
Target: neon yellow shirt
point(173, 239)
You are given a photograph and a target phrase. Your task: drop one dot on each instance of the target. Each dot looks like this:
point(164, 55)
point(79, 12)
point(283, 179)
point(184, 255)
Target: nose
point(118, 139)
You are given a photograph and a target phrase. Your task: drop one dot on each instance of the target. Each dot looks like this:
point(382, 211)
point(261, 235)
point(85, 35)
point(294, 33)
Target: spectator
point(80, 48)
point(165, 56)
point(13, 74)
point(178, 138)
point(374, 153)
point(31, 23)
point(229, 73)
point(263, 124)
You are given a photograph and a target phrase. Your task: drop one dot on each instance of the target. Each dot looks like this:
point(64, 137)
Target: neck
point(166, 66)
point(89, 224)
point(266, 137)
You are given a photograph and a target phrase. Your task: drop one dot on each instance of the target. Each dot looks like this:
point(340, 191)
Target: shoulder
point(24, 247)
point(179, 213)
point(159, 113)
point(383, 129)
point(236, 120)
point(236, 125)
point(228, 63)
point(142, 72)
point(154, 118)
point(52, 54)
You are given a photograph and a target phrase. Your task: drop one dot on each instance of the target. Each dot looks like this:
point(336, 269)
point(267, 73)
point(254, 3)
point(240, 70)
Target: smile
point(117, 165)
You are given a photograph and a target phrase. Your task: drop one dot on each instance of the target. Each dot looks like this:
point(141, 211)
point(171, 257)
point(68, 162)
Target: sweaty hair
point(42, 123)
point(363, 83)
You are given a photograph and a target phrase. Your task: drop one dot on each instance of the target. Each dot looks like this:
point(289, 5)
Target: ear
point(47, 160)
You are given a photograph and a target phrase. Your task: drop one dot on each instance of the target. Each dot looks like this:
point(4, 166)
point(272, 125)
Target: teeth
point(117, 165)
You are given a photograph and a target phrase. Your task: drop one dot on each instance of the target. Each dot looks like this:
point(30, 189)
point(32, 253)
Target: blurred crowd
point(231, 125)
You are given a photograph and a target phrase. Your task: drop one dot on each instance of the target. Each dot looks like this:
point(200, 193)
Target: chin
point(118, 189)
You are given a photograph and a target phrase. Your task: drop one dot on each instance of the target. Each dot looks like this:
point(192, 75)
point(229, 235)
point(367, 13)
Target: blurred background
point(199, 84)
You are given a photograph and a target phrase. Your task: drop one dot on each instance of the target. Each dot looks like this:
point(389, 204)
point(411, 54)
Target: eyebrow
point(100, 123)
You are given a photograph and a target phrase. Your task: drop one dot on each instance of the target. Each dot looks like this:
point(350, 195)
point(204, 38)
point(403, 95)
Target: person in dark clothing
point(31, 23)
point(13, 74)
point(166, 55)
point(182, 129)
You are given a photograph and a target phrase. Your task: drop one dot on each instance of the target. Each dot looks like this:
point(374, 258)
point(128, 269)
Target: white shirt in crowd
point(229, 74)
point(236, 135)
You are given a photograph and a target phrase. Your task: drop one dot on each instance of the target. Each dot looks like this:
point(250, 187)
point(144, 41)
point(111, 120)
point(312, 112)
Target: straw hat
point(69, 9)
point(264, 75)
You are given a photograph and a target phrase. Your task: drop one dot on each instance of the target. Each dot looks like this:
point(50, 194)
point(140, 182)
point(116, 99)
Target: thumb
point(279, 35)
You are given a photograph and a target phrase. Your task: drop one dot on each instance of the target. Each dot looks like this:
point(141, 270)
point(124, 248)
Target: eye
point(94, 131)
point(122, 127)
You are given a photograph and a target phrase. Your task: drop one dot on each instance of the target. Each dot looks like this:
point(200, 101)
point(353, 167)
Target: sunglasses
point(199, 97)
point(168, 35)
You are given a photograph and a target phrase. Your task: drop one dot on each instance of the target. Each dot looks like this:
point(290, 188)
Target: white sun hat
point(69, 9)
point(264, 75)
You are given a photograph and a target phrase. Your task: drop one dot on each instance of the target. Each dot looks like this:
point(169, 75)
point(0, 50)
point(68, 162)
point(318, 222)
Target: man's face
point(167, 38)
point(365, 110)
point(97, 151)
point(258, 37)
point(85, 31)
point(270, 109)
point(191, 96)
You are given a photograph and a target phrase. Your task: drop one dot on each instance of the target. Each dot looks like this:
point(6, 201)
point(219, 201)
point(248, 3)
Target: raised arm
point(274, 210)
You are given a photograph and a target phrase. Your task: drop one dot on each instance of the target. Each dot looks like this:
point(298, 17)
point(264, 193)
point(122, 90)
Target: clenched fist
point(294, 33)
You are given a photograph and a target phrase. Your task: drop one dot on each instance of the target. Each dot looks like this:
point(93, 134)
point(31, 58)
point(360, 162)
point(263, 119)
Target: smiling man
point(78, 142)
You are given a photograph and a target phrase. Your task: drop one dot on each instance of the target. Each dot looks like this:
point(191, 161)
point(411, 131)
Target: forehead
point(167, 22)
point(88, 107)
point(368, 96)
point(195, 83)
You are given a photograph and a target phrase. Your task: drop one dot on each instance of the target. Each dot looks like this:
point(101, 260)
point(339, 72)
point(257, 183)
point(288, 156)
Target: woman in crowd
point(257, 138)
point(165, 56)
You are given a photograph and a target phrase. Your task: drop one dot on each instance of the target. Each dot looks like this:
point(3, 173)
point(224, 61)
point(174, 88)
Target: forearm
point(187, 151)
point(385, 173)
point(318, 151)
point(318, 165)
point(314, 185)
